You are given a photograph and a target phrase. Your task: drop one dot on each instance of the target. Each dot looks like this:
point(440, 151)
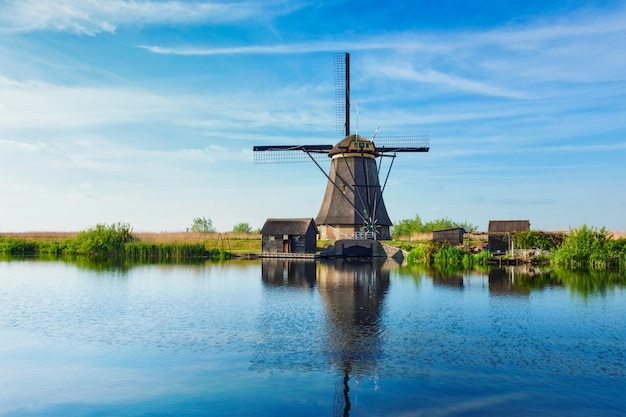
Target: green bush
point(421, 254)
point(115, 242)
point(101, 240)
point(15, 246)
point(588, 247)
point(446, 256)
point(450, 255)
point(482, 257)
point(528, 239)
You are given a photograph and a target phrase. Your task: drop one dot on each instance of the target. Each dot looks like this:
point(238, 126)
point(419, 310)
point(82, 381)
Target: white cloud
point(430, 76)
point(31, 105)
point(13, 145)
point(90, 17)
point(37, 104)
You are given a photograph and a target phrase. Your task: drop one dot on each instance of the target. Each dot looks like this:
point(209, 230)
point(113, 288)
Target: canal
point(308, 338)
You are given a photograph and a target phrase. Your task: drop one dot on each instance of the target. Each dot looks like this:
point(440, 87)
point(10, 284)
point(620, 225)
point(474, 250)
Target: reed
point(588, 247)
point(142, 251)
point(446, 256)
point(117, 241)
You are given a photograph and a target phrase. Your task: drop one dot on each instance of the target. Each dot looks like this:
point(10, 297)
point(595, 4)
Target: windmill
point(353, 205)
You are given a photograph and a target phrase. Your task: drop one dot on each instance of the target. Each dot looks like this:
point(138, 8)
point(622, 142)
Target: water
point(307, 339)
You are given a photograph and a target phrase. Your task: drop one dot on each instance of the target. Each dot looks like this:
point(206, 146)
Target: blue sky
point(146, 112)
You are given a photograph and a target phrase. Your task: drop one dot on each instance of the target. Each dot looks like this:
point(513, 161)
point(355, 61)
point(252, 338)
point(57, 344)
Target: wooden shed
point(289, 236)
point(501, 232)
point(449, 236)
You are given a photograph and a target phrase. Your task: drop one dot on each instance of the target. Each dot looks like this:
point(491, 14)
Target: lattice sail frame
point(384, 145)
point(284, 154)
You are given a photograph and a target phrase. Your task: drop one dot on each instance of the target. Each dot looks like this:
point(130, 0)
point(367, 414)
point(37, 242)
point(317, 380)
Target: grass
point(585, 247)
point(236, 243)
point(118, 241)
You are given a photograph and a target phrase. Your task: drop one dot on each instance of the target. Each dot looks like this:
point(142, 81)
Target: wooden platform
point(283, 255)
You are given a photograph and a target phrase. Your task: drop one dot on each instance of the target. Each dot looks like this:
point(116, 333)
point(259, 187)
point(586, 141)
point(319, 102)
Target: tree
point(242, 228)
point(202, 224)
point(409, 227)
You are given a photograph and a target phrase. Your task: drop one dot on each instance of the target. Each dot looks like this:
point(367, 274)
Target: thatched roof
point(288, 226)
point(503, 226)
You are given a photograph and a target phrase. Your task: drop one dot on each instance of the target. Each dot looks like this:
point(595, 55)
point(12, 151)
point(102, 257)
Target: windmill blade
point(341, 62)
point(379, 198)
point(278, 154)
point(393, 144)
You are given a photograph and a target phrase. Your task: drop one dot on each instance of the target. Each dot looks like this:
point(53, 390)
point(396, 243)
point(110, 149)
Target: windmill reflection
point(353, 294)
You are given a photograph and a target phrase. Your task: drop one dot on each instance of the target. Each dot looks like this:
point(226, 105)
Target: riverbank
point(579, 248)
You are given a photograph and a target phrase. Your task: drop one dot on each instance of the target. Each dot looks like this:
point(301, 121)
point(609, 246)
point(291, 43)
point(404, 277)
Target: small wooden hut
point(449, 236)
point(501, 232)
point(289, 236)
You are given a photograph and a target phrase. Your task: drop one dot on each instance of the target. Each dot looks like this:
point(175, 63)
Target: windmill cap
point(353, 144)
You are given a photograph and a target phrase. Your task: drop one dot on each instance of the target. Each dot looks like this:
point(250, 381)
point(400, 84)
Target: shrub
point(482, 257)
point(528, 239)
point(420, 254)
point(588, 247)
point(15, 246)
point(101, 240)
point(450, 255)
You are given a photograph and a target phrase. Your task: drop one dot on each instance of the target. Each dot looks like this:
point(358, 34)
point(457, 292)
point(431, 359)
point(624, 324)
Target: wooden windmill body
point(353, 205)
point(353, 198)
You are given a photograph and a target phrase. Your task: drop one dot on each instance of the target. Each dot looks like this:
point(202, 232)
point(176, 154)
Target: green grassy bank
point(582, 248)
point(118, 241)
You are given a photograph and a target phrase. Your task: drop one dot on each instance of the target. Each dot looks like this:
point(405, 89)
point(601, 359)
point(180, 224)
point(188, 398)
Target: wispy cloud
point(90, 17)
point(80, 125)
point(12, 145)
point(430, 76)
point(277, 49)
point(31, 104)
point(510, 37)
point(507, 61)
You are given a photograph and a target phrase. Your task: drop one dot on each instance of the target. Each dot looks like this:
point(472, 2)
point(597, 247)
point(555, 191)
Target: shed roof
point(288, 226)
point(454, 229)
point(503, 226)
